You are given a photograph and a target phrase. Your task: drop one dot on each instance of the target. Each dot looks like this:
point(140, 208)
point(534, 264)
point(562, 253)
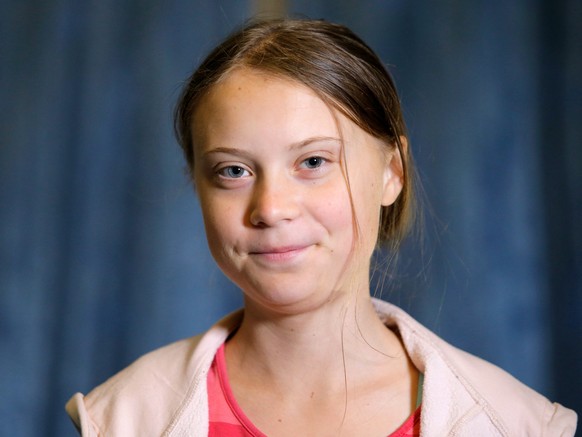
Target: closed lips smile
point(279, 253)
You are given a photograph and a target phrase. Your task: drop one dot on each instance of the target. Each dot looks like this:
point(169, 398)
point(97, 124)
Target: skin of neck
point(312, 350)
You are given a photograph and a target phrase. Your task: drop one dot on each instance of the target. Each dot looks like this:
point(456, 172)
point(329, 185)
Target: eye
point(313, 162)
point(233, 172)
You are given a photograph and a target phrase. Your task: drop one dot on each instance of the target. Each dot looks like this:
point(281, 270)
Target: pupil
point(236, 171)
point(313, 162)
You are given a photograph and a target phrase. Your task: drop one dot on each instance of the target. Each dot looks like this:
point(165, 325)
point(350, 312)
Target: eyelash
point(226, 172)
point(320, 159)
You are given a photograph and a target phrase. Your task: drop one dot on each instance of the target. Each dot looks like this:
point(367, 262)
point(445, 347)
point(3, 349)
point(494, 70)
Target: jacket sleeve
point(561, 422)
point(80, 416)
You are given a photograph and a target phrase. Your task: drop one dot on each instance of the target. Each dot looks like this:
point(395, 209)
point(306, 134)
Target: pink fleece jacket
point(164, 392)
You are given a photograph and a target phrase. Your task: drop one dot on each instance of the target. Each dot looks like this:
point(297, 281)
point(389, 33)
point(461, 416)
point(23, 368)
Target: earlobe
point(394, 174)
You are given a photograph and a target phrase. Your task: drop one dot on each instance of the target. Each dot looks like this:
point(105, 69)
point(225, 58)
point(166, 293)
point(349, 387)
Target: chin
point(287, 300)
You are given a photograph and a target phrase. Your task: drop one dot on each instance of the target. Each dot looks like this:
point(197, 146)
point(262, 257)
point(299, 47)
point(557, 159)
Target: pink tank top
point(226, 419)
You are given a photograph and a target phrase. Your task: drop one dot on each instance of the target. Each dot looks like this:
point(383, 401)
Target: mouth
point(279, 254)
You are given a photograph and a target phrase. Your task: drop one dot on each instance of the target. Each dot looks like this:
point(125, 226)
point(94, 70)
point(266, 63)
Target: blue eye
point(314, 162)
point(233, 172)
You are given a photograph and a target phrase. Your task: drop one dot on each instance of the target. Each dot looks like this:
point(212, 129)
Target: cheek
point(334, 211)
point(367, 203)
point(219, 222)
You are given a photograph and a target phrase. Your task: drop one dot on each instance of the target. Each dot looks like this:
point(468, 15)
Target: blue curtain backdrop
point(102, 250)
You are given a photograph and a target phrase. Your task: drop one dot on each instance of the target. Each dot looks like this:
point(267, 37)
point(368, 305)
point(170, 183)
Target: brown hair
point(337, 65)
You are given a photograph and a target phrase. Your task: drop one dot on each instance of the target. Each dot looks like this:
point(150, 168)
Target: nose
point(274, 201)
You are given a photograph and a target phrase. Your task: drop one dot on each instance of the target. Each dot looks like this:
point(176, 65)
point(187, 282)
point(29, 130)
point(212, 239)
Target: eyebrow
point(294, 146)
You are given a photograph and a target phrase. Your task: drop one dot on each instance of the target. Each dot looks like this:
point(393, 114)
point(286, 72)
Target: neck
point(320, 346)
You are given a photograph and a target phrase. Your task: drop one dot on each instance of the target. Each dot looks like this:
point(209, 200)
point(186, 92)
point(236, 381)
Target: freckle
point(279, 420)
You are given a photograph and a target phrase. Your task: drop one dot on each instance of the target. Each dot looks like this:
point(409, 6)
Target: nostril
point(256, 220)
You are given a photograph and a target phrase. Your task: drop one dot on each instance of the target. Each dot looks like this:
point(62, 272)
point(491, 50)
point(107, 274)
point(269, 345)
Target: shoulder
point(461, 388)
point(147, 397)
point(149, 391)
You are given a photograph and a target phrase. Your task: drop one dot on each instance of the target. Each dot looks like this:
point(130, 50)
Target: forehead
point(252, 103)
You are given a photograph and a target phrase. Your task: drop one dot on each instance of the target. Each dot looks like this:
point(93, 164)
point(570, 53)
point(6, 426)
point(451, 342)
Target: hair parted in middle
point(333, 62)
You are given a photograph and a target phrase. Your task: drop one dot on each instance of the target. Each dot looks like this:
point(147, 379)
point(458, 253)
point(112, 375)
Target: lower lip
point(279, 257)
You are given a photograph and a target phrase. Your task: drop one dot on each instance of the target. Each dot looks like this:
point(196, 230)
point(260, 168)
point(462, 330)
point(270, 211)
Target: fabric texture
point(165, 393)
point(226, 418)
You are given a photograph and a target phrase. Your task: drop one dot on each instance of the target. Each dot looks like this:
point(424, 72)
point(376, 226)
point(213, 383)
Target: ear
point(394, 173)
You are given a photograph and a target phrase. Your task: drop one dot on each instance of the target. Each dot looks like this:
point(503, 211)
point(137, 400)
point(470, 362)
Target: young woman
point(298, 152)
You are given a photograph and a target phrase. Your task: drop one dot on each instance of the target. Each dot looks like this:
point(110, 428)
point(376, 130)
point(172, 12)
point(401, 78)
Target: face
point(290, 194)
